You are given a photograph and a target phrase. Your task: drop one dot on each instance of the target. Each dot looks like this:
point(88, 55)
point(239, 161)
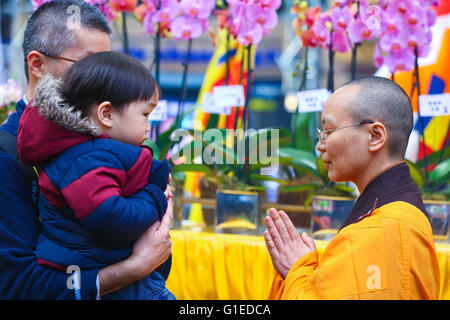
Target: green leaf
point(343, 188)
point(416, 175)
point(302, 187)
point(192, 167)
point(264, 139)
point(299, 158)
point(261, 177)
point(219, 147)
point(300, 124)
point(267, 162)
point(321, 169)
point(434, 158)
point(152, 144)
point(441, 173)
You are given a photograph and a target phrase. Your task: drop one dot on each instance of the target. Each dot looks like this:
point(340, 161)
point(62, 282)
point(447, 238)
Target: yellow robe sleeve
point(388, 255)
point(296, 284)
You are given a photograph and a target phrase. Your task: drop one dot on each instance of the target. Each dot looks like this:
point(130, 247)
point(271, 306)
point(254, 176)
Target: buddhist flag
point(228, 55)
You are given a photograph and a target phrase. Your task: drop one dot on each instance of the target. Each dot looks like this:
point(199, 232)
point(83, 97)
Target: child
point(100, 189)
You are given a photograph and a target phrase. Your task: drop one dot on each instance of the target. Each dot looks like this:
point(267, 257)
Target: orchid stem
point(246, 110)
point(331, 62)
point(354, 56)
point(249, 86)
point(302, 87)
point(125, 33)
point(227, 55)
point(157, 67)
point(241, 80)
point(184, 86)
point(422, 125)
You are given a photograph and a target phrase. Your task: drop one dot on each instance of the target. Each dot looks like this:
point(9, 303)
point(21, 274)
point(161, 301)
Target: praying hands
point(284, 243)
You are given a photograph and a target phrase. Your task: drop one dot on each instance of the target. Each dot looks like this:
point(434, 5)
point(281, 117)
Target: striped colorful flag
point(216, 75)
point(227, 51)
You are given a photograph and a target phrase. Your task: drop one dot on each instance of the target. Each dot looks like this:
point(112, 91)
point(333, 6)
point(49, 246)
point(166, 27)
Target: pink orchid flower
point(186, 27)
point(341, 18)
point(341, 42)
point(322, 31)
point(378, 58)
point(200, 9)
point(168, 11)
point(401, 60)
point(250, 33)
point(270, 4)
point(358, 32)
point(267, 18)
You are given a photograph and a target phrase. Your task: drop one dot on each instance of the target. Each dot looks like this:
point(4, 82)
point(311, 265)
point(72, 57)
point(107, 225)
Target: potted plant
point(235, 182)
point(330, 202)
point(161, 149)
point(433, 184)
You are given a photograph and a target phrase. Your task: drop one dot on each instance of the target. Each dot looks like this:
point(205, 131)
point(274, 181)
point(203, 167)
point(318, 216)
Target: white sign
point(210, 107)
point(160, 112)
point(312, 100)
point(433, 105)
point(229, 96)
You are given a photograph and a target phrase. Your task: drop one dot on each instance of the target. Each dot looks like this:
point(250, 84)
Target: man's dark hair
point(108, 76)
point(383, 100)
point(48, 31)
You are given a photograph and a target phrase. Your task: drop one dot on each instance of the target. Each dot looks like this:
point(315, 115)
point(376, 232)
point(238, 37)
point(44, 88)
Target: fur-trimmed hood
point(47, 97)
point(49, 125)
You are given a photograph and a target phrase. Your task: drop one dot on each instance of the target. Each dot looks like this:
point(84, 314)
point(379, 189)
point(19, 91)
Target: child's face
point(131, 124)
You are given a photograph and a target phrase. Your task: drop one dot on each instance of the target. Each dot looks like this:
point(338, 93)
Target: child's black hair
point(108, 76)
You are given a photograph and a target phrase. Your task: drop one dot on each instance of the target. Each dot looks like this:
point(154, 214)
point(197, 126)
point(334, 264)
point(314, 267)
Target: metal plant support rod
point(125, 33)
point(422, 125)
point(331, 62)
point(354, 55)
point(184, 85)
point(157, 73)
point(247, 111)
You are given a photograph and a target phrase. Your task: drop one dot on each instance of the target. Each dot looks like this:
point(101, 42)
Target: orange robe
point(389, 254)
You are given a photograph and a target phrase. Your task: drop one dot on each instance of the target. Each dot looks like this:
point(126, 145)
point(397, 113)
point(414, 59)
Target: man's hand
point(154, 246)
point(284, 243)
point(149, 252)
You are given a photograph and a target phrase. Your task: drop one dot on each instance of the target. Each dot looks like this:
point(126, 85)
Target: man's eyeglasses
point(59, 57)
point(323, 134)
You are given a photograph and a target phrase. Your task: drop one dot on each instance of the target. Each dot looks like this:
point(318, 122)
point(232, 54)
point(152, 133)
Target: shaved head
point(381, 99)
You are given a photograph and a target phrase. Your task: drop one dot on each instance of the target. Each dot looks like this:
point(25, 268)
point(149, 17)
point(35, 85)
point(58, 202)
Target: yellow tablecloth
point(224, 266)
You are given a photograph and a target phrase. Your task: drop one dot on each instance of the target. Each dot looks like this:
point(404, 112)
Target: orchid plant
point(399, 27)
point(250, 20)
point(10, 93)
point(109, 8)
point(405, 32)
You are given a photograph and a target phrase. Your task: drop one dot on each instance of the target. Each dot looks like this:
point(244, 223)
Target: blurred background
point(276, 61)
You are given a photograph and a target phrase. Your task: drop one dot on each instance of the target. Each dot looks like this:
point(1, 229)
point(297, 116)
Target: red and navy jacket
point(97, 195)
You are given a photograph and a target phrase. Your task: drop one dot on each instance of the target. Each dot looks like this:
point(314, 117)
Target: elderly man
point(385, 248)
point(58, 34)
